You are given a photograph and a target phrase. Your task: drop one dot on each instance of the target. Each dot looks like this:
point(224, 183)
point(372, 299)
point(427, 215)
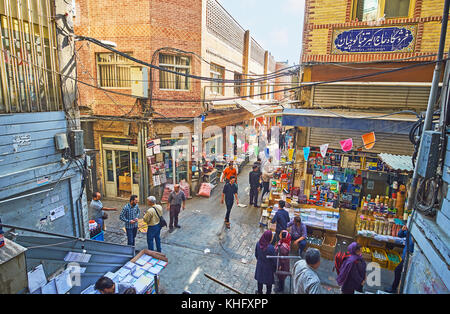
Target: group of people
point(152, 217)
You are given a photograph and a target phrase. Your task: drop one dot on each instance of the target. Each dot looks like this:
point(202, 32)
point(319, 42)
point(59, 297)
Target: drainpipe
point(426, 127)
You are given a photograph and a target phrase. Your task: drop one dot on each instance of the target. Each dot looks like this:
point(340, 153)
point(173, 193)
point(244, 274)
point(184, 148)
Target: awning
point(255, 107)
point(397, 162)
point(361, 121)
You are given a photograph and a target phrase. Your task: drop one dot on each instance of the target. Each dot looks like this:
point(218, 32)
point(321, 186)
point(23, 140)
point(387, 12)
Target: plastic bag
point(205, 190)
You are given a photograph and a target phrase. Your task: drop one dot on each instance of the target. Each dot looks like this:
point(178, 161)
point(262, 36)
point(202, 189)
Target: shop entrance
point(121, 171)
point(176, 161)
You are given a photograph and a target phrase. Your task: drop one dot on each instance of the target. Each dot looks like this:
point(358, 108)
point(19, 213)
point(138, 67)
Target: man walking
point(152, 218)
point(229, 172)
point(267, 174)
point(254, 178)
point(305, 279)
point(129, 215)
point(229, 193)
point(177, 200)
point(98, 210)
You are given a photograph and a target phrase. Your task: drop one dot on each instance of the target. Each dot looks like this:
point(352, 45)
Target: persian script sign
point(384, 39)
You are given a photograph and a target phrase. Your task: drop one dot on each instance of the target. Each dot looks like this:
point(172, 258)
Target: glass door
point(168, 165)
point(110, 171)
point(123, 173)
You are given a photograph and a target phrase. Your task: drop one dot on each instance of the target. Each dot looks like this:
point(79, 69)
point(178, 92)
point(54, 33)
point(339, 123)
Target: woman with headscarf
point(283, 248)
point(265, 267)
point(352, 273)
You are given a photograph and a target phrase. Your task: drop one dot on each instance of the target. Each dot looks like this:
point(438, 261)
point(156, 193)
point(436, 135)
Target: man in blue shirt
point(130, 214)
point(298, 233)
point(281, 218)
point(409, 244)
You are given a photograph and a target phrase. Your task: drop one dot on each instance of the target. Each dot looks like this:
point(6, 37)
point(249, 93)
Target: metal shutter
point(372, 96)
point(385, 142)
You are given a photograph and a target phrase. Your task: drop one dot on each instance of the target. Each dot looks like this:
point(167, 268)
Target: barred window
point(113, 70)
point(237, 85)
point(217, 72)
point(29, 79)
point(173, 81)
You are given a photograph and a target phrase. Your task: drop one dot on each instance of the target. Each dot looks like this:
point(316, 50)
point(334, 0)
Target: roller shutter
point(385, 142)
point(372, 96)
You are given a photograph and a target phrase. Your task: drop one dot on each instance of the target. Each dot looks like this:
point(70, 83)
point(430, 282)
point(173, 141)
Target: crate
point(312, 245)
point(328, 246)
point(366, 254)
point(392, 265)
point(382, 263)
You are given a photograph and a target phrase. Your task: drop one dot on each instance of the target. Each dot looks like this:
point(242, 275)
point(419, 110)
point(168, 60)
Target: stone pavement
point(231, 252)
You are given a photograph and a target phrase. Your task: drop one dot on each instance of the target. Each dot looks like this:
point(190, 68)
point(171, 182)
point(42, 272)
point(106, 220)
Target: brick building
point(395, 34)
point(193, 37)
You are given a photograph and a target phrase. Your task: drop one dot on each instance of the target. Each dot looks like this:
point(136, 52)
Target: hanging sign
point(369, 140)
point(306, 151)
point(347, 144)
point(323, 150)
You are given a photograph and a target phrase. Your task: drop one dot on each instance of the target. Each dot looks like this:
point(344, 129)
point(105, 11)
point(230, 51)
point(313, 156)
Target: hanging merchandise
point(347, 144)
point(232, 139)
point(306, 151)
point(291, 154)
point(368, 140)
point(323, 150)
point(256, 150)
point(245, 147)
point(267, 153)
point(203, 118)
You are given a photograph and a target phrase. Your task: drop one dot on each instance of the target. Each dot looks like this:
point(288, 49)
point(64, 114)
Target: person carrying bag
point(155, 222)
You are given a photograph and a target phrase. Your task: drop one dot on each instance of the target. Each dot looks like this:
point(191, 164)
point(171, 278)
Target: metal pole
point(222, 284)
point(427, 126)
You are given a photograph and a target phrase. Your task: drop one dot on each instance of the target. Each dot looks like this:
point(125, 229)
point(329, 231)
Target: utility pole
point(427, 126)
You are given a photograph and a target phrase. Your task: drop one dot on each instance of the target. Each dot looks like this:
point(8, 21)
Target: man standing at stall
point(129, 215)
point(254, 179)
point(281, 218)
point(177, 200)
point(230, 192)
point(98, 210)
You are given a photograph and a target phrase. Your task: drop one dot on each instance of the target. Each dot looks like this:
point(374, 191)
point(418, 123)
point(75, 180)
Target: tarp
point(396, 124)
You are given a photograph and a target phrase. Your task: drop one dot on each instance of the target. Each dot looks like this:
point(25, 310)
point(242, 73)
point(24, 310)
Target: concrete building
point(41, 183)
point(194, 37)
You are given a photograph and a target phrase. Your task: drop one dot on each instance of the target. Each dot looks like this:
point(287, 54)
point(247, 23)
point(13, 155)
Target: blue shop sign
point(385, 39)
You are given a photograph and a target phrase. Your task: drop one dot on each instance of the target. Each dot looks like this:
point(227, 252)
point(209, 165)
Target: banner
point(256, 150)
point(323, 150)
point(347, 144)
point(306, 151)
point(245, 147)
point(369, 140)
point(291, 154)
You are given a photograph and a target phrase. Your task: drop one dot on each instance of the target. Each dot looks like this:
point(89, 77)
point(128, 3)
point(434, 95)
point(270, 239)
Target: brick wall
point(320, 24)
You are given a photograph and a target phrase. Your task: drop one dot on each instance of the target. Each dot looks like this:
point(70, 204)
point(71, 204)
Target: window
point(370, 10)
point(172, 81)
point(28, 60)
point(113, 70)
point(237, 85)
point(217, 72)
point(252, 89)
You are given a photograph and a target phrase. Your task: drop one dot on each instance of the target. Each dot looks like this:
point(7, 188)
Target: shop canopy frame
point(360, 121)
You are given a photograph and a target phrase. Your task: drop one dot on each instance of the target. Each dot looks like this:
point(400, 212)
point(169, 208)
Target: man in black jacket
point(255, 185)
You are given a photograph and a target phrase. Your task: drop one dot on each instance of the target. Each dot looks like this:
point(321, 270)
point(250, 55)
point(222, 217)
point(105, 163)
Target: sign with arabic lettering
point(381, 39)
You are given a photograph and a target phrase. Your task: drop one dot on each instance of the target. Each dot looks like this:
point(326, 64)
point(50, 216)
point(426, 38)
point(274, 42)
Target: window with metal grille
point(29, 79)
point(173, 81)
point(113, 70)
point(217, 72)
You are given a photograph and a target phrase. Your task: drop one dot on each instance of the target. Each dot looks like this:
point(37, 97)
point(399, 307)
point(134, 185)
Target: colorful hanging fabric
point(291, 154)
point(323, 150)
point(267, 152)
point(369, 140)
point(347, 144)
point(245, 147)
point(256, 150)
point(306, 151)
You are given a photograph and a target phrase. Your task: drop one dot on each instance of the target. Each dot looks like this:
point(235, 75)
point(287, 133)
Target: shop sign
point(381, 39)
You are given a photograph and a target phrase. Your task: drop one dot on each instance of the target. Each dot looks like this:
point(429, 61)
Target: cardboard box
point(328, 246)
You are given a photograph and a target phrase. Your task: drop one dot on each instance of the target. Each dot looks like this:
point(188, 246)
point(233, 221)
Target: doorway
point(122, 171)
point(176, 162)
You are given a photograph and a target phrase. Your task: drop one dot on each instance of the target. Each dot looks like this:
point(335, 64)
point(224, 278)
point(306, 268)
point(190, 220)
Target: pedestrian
point(265, 267)
point(409, 246)
point(281, 218)
point(352, 272)
point(299, 233)
point(98, 210)
point(130, 290)
point(258, 163)
point(130, 215)
point(254, 179)
point(229, 172)
point(305, 278)
point(152, 218)
point(177, 201)
point(105, 285)
point(267, 173)
point(282, 249)
point(229, 193)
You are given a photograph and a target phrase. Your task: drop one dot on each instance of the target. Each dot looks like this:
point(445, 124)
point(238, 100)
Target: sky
point(277, 25)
